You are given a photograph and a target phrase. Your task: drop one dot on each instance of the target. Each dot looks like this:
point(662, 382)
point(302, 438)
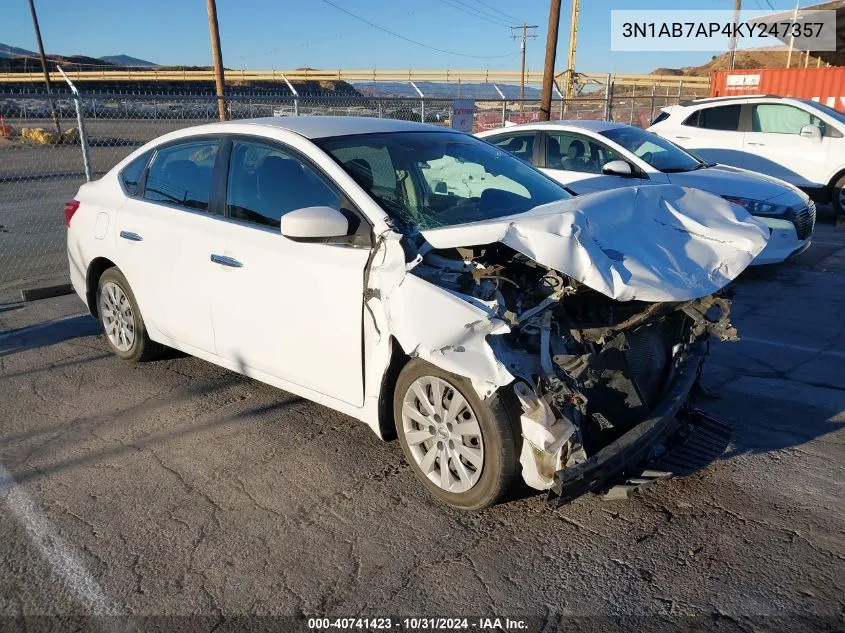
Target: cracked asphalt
point(176, 488)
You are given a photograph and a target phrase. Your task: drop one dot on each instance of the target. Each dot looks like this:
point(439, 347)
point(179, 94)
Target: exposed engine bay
point(588, 368)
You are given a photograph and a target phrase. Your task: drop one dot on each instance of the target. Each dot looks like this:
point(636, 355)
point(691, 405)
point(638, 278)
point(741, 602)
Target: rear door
point(576, 160)
point(290, 309)
point(713, 133)
point(164, 239)
point(774, 145)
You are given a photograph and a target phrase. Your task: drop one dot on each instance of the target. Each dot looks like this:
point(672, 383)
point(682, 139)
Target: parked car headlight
point(758, 207)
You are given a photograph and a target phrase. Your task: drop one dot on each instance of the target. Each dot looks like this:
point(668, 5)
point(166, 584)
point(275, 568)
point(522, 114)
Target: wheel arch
point(836, 176)
point(96, 268)
point(398, 360)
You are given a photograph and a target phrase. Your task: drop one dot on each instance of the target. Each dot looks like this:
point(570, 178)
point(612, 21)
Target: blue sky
point(265, 34)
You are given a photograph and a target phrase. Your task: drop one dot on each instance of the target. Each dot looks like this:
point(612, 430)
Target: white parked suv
point(797, 140)
point(590, 156)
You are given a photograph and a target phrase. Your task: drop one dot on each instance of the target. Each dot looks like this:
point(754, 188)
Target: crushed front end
point(601, 385)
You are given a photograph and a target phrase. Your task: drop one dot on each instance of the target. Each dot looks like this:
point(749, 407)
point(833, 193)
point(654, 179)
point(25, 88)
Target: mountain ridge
point(127, 60)
point(768, 57)
point(10, 52)
point(13, 51)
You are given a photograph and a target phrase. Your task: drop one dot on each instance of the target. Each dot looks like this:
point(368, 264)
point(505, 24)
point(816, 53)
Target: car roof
point(727, 99)
point(590, 124)
point(314, 127)
point(584, 124)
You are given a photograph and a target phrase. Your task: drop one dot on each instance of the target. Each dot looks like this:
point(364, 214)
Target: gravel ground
point(179, 489)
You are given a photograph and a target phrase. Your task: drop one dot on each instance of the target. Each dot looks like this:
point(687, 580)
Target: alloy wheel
point(443, 434)
point(117, 316)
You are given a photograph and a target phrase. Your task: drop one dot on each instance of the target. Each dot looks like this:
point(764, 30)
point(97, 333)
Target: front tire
point(837, 195)
point(121, 320)
point(461, 448)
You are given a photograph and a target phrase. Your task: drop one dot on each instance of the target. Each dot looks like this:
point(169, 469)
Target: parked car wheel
point(837, 195)
point(121, 319)
point(463, 449)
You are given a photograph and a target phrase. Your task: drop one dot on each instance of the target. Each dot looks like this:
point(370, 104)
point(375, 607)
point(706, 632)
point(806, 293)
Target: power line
point(760, 6)
point(499, 11)
point(499, 65)
point(311, 42)
point(472, 13)
point(408, 39)
point(460, 6)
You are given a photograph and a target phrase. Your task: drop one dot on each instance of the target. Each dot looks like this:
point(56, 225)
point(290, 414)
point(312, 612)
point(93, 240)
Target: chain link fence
point(41, 162)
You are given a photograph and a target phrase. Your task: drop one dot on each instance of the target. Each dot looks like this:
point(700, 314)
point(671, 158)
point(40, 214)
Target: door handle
point(226, 261)
point(757, 144)
point(132, 237)
point(682, 138)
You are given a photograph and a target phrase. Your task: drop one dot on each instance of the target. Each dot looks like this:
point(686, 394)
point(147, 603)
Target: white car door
point(774, 145)
point(290, 309)
point(576, 161)
point(712, 133)
point(163, 238)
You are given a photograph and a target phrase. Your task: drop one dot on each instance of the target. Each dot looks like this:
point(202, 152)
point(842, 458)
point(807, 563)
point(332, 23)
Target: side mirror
point(314, 223)
point(812, 132)
point(617, 168)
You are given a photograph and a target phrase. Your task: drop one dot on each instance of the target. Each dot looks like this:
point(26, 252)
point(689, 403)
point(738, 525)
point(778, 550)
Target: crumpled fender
point(448, 330)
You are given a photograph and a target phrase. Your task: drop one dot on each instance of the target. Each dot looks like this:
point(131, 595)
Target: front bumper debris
point(674, 440)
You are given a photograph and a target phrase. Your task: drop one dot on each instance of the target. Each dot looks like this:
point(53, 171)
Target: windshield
point(826, 109)
point(661, 154)
point(425, 180)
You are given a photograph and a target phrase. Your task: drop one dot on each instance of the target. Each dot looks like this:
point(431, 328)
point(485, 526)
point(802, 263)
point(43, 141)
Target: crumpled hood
point(724, 180)
point(651, 243)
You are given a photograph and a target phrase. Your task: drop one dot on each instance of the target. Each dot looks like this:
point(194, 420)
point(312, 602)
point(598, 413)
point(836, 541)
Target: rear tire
point(837, 195)
point(121, 320)
point(440, 420)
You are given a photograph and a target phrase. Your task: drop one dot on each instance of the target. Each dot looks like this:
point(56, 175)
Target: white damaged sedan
point(428, 284)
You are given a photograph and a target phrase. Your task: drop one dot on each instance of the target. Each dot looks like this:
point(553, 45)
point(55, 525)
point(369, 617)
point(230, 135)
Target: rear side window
point(718, 118)
point(182, 174)
point(660, 117)
point(131, 174)
point(520, 145)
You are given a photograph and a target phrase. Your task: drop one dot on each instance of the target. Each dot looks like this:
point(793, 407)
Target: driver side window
point(776, 118)
point(265, 182)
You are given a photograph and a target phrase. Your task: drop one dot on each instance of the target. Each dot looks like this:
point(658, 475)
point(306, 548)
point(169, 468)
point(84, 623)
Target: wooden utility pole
point(570, 62)
point(792, 35)
point(214, 32)
point(732, 44)
point(44, 68)
point(523, 37)
point(549, 67)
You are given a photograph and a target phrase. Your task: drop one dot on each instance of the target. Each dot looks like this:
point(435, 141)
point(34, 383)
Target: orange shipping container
point(825, 85)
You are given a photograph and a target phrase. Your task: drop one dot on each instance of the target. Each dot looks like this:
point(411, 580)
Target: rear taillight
point(70, 208)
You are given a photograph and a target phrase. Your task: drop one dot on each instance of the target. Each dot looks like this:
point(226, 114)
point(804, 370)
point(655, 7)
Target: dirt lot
point(177, 488)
